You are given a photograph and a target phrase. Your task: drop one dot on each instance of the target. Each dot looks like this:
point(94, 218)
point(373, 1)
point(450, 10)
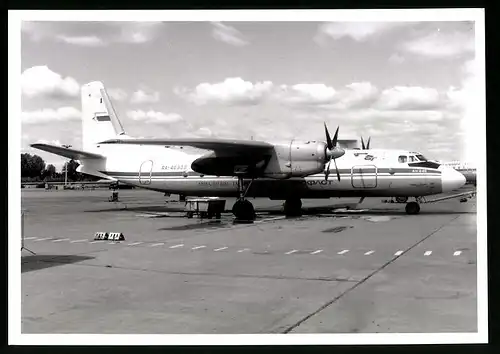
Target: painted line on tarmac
point(243, 250)
point(177, 246)
point(29, 238)
point(457, 253)
point(220, 249)
point(269, 219)
point(318, 251)
point(61, 239)
point(97, 241)
point(157, 244)
point(362, 281)
point(134, 243)
point(291, 252)
point(43, 239)
point(369, 252)
point(398, 253)
point(77, 241)
point(427, 253)
point(342, 252)
point(198, 247)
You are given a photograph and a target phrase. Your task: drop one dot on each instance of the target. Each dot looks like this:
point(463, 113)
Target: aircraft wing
point(67, 152)
point(249, 146)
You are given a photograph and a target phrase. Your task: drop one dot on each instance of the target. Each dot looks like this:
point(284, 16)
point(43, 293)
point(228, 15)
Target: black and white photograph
point(293, 177)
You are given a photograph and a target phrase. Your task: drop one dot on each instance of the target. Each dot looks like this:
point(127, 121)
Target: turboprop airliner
point(288, 171)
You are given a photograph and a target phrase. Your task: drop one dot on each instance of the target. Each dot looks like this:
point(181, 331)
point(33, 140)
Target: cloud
point(204, 132)
point(354, 95)
point(228, 34)
point(409, 98)
point(358, 31)
point(47, 115)
point(358, 94)
point(154, 116)
point(141, 96)
point(117, 94)
point(232, 91)
point(440, 44)
point(50, 142)
point(138, 32)
point(396, 58)
point(41, 81)
point(85, 41)
point(93, 34)
point(308, 94)
point(466, 101)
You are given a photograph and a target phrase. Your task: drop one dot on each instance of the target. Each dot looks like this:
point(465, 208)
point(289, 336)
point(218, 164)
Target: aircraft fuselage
point(169, 170)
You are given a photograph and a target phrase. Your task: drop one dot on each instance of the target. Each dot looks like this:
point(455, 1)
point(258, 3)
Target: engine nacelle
point(296, 159)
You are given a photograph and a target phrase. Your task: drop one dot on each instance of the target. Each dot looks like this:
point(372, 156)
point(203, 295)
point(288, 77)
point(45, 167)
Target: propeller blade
point(328, 139)
point(327, 170)
point(336, 169)
point(335, 137)
point(362, 144)
point(368, 143)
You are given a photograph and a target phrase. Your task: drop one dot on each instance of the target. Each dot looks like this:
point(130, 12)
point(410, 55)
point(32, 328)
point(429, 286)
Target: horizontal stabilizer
point(67, 152)
point(200, 143)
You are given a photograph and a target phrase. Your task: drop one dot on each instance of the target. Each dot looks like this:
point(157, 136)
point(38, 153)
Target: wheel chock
point(101, 236)
point(116, 236)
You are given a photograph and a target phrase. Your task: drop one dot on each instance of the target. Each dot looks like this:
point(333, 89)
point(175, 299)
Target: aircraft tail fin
point(99, 119)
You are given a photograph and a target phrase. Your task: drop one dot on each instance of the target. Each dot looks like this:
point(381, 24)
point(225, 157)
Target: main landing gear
point(243, 209)
point(293, 207)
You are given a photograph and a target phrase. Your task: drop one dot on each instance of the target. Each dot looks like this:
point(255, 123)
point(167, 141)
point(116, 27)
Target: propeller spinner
point(332, 152)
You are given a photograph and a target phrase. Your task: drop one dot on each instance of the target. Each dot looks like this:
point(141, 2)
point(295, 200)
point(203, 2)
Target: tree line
point(34, 169)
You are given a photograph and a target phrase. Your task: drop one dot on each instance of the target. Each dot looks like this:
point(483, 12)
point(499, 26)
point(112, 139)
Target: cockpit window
point(421, 157)
point(402, 159)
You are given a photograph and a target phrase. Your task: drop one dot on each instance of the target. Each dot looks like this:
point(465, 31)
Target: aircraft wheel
point(243, 210)
point(412, 208)
point(293, 207)
point(401, 199)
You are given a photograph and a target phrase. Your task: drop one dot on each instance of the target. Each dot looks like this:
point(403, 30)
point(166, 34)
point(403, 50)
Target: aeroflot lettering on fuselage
point(316, 182)
point(216, 183)
point(225, 183)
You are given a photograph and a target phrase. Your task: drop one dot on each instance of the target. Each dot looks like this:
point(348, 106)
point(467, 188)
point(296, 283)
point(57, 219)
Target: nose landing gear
point(413, 208)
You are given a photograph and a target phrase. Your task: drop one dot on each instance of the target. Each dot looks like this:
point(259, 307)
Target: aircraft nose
point(451, 179)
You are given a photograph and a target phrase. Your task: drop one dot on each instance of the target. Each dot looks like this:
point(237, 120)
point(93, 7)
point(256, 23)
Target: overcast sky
point(406, 84)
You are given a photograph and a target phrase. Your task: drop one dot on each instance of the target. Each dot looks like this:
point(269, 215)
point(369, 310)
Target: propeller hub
point(334, 153)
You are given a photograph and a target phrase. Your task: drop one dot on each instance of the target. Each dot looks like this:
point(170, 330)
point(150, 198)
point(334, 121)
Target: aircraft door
point(145, 172)
point(364, 176)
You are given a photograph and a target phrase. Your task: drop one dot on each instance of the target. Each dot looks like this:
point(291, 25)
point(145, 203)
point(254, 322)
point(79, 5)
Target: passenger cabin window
point(402, 159)
point(413, 158)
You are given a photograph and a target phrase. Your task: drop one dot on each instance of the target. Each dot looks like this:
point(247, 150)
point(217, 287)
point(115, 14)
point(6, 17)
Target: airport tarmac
point(374, 270)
